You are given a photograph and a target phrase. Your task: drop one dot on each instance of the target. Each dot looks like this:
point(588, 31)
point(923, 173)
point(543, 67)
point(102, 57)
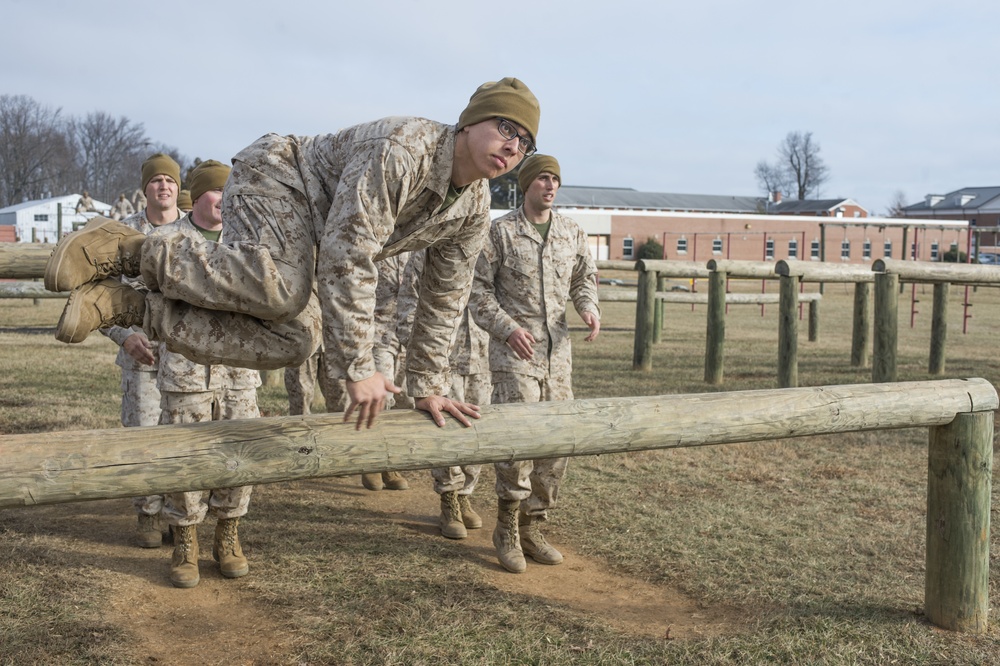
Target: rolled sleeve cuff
point(361, 369)
point(420, 385)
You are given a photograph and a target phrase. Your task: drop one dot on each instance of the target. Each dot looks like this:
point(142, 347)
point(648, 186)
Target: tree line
point(44, 153)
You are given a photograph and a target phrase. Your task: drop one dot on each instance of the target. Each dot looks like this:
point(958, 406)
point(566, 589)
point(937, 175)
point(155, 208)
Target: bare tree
point(799, 169)
point(35, 155)
point(897, 205)
point(110, 152)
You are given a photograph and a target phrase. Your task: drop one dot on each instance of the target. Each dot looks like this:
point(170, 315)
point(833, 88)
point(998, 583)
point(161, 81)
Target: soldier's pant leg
point(233, 404)
point(300, 384)
point(187, 508)
point(462, 478)
point(141, 407)
point(334, 390)
point(247, 301)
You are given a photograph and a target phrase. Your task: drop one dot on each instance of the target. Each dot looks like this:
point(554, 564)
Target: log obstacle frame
point(38, 468)
point(890, 274)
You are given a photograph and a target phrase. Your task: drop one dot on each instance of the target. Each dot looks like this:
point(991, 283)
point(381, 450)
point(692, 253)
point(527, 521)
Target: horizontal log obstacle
point(889, 274)
point(40, 468)
point(792, 274)
point(24, 261)
point(29, 290)
point(720, 270)
point(648, 322)
point(688, 298)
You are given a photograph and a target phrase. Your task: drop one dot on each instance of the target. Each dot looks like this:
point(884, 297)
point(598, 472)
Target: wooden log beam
point(29, 290)
point(615, 265)
point(24, 261)
point(744, 269)
point(822, 271)
point(40, 468)
point(934, 271)
point(701, 298)
point(673, 269)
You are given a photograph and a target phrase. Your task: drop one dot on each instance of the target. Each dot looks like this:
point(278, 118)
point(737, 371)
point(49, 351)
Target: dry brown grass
point(816, 545)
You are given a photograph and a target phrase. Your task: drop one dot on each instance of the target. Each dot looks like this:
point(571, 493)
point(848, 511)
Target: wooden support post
point(715, 334)
point(939, 328)
point(645, 300)
point(661, 285)
point(814, 320)
point(886, 327)
point(788, 333)
point(959, 471)
point(862, 324)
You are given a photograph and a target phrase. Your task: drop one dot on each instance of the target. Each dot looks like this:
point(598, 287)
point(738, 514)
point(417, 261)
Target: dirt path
point(97, 534)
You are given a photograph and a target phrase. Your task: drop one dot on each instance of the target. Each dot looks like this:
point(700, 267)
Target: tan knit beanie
point(184, 200)
point(535, 165)
point(209, 175)
point(157, 164)
point(507, 98)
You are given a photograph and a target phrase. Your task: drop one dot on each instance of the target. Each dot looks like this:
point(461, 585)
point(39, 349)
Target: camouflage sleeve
point(409, 294)
point(118, 334)
point(386, 295)
point(583, 287)
point(372, 188)
point(446, 280)
point(483, 304)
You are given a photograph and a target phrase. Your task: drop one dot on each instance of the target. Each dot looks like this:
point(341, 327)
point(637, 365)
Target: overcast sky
point(900, 96)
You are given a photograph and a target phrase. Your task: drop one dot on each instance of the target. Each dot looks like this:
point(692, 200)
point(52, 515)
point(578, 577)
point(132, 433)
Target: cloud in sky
point(899, 95)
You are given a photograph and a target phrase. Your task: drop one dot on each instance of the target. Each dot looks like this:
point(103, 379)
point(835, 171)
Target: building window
point(857, 213)
point(913, 250)
point(627, 248)
point(814, 250)
point(793, 248)
point(769, 249)
point(682, 245)
point(866, 249)
point(845, 250)
point(887, 249)
point(41, 218)
point(934, 250)
point(717, 246)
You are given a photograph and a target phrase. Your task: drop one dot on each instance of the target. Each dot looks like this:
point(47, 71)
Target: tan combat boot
point(227, 551)
point(534, 544)
point(394, 481)
point(102, 248)
point(97, 305)
point(184, 565)
point(470, 518)
point(505, 537)
point(451, 517)
point(372, 481)
point(147, 532)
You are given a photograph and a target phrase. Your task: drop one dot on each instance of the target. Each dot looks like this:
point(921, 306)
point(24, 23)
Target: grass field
point(811, 550)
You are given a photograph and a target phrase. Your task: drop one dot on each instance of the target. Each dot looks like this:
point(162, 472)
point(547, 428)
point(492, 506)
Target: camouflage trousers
point(300, 383)
point(463, 478)
point(249, 304)
point(141, 407)
point(190, 508)
point(534, 482)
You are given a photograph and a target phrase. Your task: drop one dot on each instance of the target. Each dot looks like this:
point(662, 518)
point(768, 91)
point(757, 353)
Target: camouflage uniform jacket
point(470, 346)
point(139, 222)
point(523, 281)
point(375, 190)
point(180, 375)
point(387, 345)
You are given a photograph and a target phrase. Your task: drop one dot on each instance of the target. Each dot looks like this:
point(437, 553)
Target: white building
point(38, 221)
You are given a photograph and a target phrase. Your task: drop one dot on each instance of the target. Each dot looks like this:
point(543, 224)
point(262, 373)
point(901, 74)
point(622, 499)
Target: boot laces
point(454, 508)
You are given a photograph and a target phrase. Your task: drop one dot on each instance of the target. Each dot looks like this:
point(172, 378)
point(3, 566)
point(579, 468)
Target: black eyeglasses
point(507, 131)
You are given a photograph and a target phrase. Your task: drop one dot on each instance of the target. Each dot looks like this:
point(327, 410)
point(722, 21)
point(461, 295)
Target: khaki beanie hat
point(157, 164)
point(507, 98)
point(209, 175)
point(184, 200)
point(535, 165)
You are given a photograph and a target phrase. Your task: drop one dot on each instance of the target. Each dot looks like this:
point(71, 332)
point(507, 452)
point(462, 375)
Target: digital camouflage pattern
point(525, 281)
point(468, 364)
point(140, 395)
point(305, 211)
point(301, 381)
